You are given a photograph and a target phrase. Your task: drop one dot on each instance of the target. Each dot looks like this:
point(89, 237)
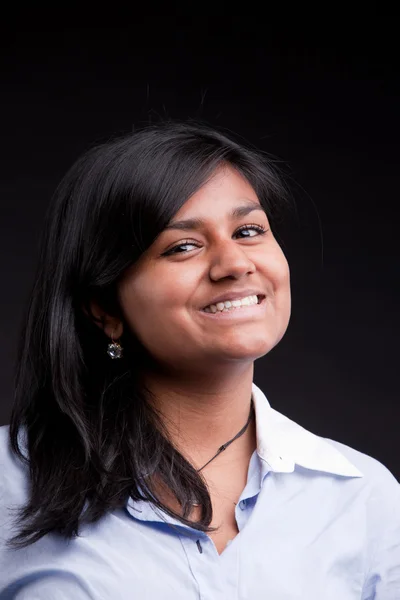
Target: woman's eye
point(258, 229)
point(176, 249)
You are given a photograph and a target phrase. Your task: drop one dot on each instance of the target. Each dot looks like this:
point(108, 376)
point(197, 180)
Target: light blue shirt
point(317, 520)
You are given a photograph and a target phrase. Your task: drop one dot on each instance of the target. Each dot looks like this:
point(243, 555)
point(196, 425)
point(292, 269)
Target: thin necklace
point(224, 446)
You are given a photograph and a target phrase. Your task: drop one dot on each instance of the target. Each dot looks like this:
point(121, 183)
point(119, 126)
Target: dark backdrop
point(327, 108)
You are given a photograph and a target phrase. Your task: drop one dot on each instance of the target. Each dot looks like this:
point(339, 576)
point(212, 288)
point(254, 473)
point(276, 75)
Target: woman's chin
point(240, 351)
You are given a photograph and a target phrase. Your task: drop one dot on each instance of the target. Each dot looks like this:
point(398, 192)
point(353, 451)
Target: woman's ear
point(112, 326)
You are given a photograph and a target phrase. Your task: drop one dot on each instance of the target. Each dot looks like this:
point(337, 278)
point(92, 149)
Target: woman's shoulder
point(381, 487)
point(370, 467)
point(13, 472)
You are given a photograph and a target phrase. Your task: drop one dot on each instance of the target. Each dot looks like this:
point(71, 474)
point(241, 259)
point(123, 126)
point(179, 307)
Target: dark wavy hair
point(91, 436)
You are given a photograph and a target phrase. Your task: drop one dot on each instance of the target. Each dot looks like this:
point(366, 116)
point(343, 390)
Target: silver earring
point(114, 349)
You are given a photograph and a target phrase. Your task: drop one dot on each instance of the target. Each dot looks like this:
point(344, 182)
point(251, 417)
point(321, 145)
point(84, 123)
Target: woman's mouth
point(233, 306)
point(244, 308)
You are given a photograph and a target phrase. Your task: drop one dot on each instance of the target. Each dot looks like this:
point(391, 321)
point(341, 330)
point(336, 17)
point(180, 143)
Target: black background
point(327, 107)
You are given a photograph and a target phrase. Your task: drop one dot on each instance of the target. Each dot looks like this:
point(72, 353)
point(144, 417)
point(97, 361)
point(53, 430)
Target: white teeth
point(230, 304)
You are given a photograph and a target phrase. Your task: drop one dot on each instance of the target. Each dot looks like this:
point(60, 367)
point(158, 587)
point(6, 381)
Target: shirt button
point(242, 504)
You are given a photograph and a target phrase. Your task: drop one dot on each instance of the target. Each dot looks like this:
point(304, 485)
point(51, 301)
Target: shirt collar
point(282, 443)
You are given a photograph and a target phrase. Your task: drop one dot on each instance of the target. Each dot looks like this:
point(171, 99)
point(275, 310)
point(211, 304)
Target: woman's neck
point(201, 415)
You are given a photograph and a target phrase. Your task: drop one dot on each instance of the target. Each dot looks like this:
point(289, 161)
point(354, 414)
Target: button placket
point(205, 565)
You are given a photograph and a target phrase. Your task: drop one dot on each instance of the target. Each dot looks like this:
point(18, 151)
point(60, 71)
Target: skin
point(204, 366)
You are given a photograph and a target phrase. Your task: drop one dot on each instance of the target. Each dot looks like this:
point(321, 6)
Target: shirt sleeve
point(383, 578)
point(55, 583)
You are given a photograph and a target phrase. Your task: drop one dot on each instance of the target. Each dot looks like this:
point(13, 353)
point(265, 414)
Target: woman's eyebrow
point(195, 223)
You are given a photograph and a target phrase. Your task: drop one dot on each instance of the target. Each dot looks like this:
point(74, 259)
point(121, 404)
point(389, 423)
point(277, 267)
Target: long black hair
point(82, 423)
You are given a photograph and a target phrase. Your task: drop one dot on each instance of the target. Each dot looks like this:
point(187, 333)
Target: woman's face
point(216, 256)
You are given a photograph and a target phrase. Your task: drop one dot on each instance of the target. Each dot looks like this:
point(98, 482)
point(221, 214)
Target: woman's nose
point(230, 260)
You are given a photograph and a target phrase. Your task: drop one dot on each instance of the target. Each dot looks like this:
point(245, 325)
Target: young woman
point(141, 460)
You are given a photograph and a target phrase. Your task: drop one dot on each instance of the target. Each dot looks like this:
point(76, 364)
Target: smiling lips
point(229, 305)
